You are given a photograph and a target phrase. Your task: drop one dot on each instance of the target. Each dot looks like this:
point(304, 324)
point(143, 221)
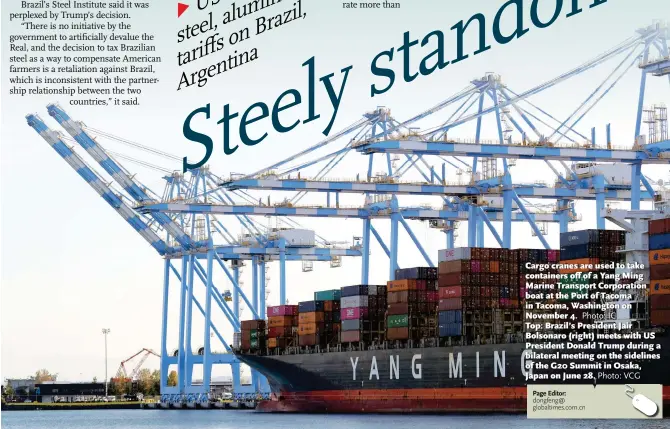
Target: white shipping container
point(453, 254)
point(298, 237)
point(237, 340)
point(372, 289)
point(354, 301)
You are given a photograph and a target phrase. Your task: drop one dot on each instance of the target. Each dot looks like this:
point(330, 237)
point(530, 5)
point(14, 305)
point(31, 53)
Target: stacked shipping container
point(659, 272)
point(311, 328)
point(590, 247)
point(475, 294)
point(331, 314)
point(282, 325)
point(253, 335)
point(481, 289)
point(362, 313)
point(412, 304)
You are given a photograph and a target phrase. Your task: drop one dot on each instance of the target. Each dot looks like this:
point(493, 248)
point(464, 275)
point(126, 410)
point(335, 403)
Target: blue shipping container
point(450, 330)
point(353, 290)
point(658, 242)
point(451, 316)
point(578, 251)
point(309, 306)
point(327, 295)
point(420, 273)
point(579, 237)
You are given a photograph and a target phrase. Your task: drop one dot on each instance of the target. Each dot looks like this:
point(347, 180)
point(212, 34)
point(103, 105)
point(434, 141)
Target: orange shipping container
point(658, 257)
point(658, 287)
point(327, 305)
point(272, 343)
point(575, 265)
point(279, 321)
point(310, 328)
point(311, 317)
point(494, 266)
point(401, 285)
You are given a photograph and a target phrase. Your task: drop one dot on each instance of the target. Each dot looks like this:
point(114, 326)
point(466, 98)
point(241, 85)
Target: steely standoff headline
point(253, 122)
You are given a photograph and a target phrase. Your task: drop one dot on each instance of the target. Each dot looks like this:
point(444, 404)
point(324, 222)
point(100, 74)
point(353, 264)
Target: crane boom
point(78, 164)
point(122, 367)
point(119, 174)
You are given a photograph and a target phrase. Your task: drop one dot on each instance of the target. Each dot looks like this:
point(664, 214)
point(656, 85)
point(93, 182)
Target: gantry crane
point(189, 214)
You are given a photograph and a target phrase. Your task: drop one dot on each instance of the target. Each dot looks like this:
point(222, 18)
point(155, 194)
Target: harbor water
point(219, 419)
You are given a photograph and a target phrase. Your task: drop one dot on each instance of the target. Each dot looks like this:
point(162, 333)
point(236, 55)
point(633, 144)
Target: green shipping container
point(254, 344)
point(570, 278)
point(327, 295)
point(254, 335)
point(575, 288)
point(400, 321)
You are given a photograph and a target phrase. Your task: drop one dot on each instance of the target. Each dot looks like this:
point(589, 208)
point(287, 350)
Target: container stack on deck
point(523, 258)
point(659, 272)
point(362, 314)
point(475, 295)
point(253, 335)
point(311, 326)
point(282, 326)
point(412, 305)
point(587, 247)
point(480, 291)
point(331, 314)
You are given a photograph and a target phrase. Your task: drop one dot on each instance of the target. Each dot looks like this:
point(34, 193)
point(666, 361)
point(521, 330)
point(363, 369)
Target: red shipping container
point(403, 296)
point(354, 313)
point(659, 302)
point(450, 304)
point(433, 296)
point(475, 266)
point(248, 325)
point(404, 308)
point(522, 292)
point(657, 227)
point(450, 292)
point(659, 272)
point(397, 333)
point(282, 310)
point(309, 339)
point(659, 317)
point(421, 285)
point(456, 266)
point(279, 331)
point(454, 279)
point(350, 336)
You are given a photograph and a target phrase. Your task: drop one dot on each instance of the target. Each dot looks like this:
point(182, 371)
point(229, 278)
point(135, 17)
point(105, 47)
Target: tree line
point(147, 383)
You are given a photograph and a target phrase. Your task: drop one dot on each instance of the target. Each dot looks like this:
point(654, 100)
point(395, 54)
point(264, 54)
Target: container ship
point(461, 337)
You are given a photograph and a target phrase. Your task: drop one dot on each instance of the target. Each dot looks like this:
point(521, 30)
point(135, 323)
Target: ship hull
point(449, 400)
point(462, 379)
